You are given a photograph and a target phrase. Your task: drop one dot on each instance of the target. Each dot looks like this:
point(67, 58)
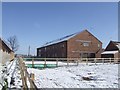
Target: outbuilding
point(112, 50)
point(6, 53)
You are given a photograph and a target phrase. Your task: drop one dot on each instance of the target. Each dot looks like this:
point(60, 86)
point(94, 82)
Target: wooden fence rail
point(75, 60)
point(26, 76)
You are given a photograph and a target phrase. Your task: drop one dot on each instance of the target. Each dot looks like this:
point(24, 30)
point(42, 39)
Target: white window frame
point(85, 44)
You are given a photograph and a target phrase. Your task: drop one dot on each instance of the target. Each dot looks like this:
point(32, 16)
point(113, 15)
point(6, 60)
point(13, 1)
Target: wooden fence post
point(115, 60)
point(45, 63)
point(103, 60)
point(32, 76)
point(95, 60)
point(22, 74)
point(110, 60)
point(32, 63)
point(57, 62)
point(86, 61)
point(77, 61)
point(67, 62)
point(80, 60)
point(25, 76)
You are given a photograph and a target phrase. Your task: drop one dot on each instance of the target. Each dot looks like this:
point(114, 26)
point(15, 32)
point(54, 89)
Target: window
point(40, 50)
point(45, 48)
point(85, 44)
point(62, 46)
point(84, 55)
point(87, 55)
point(39, 55)
point(98, 45)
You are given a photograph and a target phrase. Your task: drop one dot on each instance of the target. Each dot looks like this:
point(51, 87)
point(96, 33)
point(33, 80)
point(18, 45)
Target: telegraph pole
point(29, 50)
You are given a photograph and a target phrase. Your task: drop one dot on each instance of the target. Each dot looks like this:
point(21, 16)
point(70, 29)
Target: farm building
point(112, 50)
point(78, 45)
point(6, 53)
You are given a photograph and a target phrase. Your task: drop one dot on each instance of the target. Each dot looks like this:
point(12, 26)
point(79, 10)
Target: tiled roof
point(65, 38)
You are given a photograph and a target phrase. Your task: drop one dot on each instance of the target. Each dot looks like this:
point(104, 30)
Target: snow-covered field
point(72, 76)
point(81, 76)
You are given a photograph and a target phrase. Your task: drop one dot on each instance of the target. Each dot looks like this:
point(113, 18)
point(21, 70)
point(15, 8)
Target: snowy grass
point(101, 75)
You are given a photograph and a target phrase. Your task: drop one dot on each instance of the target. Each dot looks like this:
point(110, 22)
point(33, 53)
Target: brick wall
point(76, 45)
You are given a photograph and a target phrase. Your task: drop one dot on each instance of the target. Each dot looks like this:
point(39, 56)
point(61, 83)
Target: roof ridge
point(62, 38)
point(117, 44)
point(115, 41)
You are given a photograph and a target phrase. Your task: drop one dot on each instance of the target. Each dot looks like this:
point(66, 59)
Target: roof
point(8, 45)
point(117, 44)
point(109, 52)
point(65, 38)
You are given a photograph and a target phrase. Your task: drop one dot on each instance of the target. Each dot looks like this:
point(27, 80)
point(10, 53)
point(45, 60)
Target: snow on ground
point(13, 74)
point(101, 75)
point(3, 74)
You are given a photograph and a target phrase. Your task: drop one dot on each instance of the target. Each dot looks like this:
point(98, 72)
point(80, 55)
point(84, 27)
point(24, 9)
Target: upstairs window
point(85, 44)
point(62, 46)
point(98, 45)
point(40, 50)
point(45, 48)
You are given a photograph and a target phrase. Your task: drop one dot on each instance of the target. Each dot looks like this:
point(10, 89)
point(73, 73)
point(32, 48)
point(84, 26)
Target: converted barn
point(112, 50)
point(78, 45)
point(6, 53)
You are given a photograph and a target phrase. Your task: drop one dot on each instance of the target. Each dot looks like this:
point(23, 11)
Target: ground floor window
point(107, 55)
point(87, 55)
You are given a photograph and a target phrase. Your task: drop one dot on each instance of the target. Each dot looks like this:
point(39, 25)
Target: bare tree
point(13, 43)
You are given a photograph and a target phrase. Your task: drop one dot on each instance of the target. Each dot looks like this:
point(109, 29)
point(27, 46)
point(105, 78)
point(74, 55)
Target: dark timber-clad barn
point(112, 50)
point(78, 45)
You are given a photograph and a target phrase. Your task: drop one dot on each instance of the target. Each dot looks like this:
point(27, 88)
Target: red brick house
point(78, 45)
point(112, 50)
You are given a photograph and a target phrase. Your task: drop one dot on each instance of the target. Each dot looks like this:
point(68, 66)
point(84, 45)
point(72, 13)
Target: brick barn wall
point(75, 46)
